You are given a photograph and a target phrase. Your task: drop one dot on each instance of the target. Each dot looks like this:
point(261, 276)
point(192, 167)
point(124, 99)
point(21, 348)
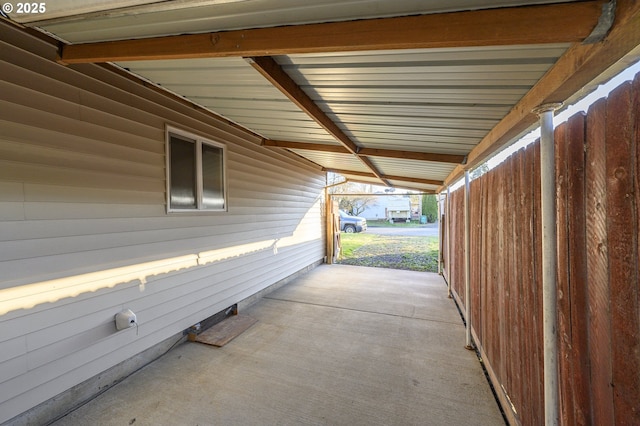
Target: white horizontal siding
point(82, 181)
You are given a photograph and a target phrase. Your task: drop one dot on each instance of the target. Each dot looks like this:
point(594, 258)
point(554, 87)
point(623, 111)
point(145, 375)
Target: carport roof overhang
point(409, 95)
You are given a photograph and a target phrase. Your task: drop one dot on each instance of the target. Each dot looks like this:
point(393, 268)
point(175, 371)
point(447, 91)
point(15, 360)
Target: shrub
point(430, 208)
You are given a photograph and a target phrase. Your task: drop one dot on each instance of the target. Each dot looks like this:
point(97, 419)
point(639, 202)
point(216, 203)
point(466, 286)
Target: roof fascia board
point(552, 23)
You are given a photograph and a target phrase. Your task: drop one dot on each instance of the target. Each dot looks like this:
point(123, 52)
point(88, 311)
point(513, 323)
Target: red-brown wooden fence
point(598, 222)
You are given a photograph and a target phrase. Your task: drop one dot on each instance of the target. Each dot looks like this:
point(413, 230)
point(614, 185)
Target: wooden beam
point(338, 149)
point(412, 155)
point(350, 172)
point(580, 65)
point(367, 162)
point(415, 180)
point(273, 72)
point(412, 188)
point(370, 152)
point(553, 23)
point(388, 177)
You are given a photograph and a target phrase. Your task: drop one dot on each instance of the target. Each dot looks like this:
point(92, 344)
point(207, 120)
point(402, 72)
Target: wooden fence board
point(524, 278)
point(577, 267)
point(516, 279)
point(492, 283)
point(485, 259)
point(598, 203)
point(598, 325)
point(636, 118)
point(572, 278)
point(536, 415)
point(623, 245)
point(563, 279)
point(476, 247)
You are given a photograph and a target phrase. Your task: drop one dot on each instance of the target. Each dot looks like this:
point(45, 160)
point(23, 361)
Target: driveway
point(340, 345)
point(428, 230)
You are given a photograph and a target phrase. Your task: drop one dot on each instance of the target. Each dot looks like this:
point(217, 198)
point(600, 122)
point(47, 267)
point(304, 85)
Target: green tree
point(430, 208)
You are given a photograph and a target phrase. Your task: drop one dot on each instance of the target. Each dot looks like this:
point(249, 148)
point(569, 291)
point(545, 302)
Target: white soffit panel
point(430, 100)
point(231, 88)
point(331, 160)
point(413, 168)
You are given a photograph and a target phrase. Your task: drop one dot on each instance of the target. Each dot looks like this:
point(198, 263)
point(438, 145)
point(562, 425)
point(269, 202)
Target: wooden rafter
point(412, 155)
point(349, 172)
point(409, 187)
point(414, 180)
point(273, 72)
point(367, 162)
point(555, 23)
point(389, 177)
point(338, 149)
point(369, 152)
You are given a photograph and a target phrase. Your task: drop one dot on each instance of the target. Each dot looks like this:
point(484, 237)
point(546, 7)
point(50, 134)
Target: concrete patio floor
point(341, 345)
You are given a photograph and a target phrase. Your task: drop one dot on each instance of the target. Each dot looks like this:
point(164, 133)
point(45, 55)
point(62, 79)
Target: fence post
point(439, 221)
point(467, 259)
point(448, 216)
point(549, 260)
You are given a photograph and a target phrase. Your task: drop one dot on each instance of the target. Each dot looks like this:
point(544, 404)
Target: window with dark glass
point(195, 169)
point(212, 178)
point(183, 173)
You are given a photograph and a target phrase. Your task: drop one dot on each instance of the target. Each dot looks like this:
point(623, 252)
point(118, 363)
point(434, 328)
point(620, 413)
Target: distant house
point(375, 210)
point(399, 209)
point(388, 207)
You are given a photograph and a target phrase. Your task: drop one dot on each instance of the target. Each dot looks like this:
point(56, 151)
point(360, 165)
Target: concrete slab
point(340, 345)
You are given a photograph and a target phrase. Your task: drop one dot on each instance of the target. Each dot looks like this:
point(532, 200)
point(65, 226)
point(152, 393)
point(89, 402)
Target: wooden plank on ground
point(225, 331)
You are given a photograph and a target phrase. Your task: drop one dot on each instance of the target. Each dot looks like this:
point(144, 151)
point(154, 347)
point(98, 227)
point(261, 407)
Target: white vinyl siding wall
point(84, 231)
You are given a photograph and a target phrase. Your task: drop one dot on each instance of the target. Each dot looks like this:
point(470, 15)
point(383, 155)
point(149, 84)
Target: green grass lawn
point(395, 252)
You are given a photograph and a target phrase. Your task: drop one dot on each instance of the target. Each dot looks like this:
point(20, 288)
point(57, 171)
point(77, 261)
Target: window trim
point(199, 185)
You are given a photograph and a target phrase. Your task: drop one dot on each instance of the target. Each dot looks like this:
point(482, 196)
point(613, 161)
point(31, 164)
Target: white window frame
point(198, 141)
